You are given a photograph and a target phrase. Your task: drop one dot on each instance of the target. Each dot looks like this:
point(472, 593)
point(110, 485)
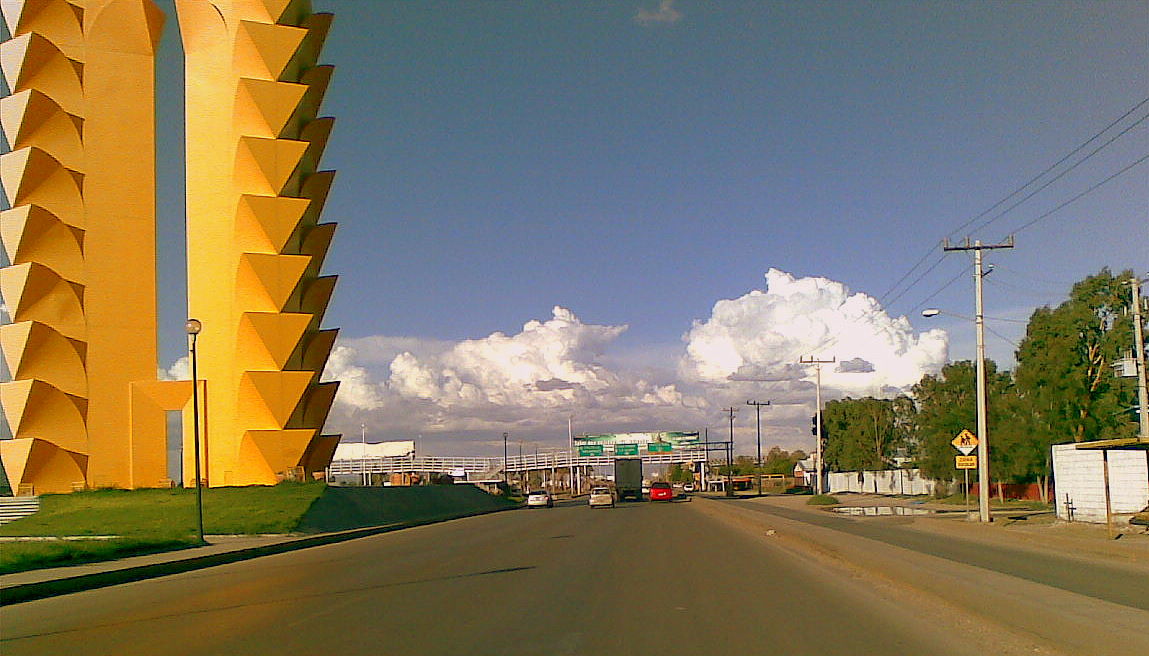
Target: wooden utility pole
point(982, 431)
point(818, 487)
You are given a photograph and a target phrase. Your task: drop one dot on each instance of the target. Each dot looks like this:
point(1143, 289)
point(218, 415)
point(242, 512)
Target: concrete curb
point(43, 589)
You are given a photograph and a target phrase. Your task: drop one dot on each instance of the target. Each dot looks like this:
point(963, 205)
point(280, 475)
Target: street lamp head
point(931, 312)
point(193, 326)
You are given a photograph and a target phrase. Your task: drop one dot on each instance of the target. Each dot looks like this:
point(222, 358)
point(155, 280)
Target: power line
point(1056, 164)
point(1083, 194)
point(1059, 175)
point(941, 289)
point(1015, 192)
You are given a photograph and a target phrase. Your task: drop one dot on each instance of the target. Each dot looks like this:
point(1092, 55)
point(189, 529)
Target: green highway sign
point(626, 449)
point(657, 447)
point(590, 450)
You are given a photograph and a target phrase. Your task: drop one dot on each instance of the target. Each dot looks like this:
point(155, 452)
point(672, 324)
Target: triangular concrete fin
point(316, 242)
point(32, 176)
point(274, 8)
point(30, 60)
point(265, 223)
point(32, 234)
point(317, 296)
point(14, 397)
point(317, 79)
point(264, 49)
point(317, 349)
point(54, 19)
point(30, 117)
point(320, 452)
point(14, 454)
point(13, 283)
point(264, 106)
point(317, 404)
point(273, 277)
point(282, 450)
point(278, 392)
point(316, 133)
point(36, 409)
point(33, 292)
point(265, 165)
point(35, 351)
point(317, 186)
point(278, 333)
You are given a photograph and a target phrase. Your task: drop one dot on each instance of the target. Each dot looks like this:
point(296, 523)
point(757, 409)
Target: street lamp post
point(505, 483)
point(193, 328)
point(758, 423)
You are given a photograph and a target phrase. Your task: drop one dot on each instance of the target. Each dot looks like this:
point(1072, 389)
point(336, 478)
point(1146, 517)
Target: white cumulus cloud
point(763, 334)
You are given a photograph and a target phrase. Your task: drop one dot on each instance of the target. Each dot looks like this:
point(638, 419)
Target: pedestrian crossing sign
point(965, 442)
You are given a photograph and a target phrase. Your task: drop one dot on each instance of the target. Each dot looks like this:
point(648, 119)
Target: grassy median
point(148, 521)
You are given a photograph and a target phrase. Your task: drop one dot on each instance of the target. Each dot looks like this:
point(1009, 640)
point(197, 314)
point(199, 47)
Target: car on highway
point(661, 491)
point(688, 488)
point(540, 499)
point(601, 497)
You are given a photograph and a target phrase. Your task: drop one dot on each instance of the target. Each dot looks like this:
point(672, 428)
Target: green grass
point(822, 500)
point(23, 556)
point(169, 514)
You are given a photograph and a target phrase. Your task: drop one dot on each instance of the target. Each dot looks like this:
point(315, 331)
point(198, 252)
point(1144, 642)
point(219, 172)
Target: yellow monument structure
point(83, 403)
point(255, 243)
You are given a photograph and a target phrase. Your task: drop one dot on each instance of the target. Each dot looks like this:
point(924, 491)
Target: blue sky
point(636, 162)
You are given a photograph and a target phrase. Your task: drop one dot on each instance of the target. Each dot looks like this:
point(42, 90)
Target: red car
point(661, 491)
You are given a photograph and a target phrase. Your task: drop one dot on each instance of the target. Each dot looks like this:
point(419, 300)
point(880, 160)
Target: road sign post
point(966, 442)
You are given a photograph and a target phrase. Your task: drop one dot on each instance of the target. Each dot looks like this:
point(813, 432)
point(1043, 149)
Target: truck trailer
point(628, 478)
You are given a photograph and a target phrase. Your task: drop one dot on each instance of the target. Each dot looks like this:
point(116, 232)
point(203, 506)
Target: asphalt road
point(638, 579)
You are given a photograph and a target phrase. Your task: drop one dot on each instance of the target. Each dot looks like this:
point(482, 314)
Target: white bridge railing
point(515, 463)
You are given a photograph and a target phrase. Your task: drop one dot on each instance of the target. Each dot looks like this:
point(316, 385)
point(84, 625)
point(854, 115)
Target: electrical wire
point(942, 288)
point(1057, 177)
point(1056, 164)
point(1083, 194)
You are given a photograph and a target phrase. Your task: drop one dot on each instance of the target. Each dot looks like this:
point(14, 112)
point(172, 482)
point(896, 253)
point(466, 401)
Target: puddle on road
point(881, 511)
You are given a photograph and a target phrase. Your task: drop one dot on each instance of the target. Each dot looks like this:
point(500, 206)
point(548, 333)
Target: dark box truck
point(628, 478)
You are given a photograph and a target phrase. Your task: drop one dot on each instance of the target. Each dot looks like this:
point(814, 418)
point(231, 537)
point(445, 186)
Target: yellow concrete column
point(254, 242)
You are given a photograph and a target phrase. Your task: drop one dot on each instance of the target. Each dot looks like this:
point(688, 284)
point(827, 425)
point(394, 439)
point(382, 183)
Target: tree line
point(1062, 390)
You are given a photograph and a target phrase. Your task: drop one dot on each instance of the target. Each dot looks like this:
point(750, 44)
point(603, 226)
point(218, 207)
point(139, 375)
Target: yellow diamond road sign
point(965, 442)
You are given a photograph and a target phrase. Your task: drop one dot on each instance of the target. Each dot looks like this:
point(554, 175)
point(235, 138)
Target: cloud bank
point(529, 382)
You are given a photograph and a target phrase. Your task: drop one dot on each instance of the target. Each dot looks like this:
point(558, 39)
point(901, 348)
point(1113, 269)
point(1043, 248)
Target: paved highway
point(637, 579)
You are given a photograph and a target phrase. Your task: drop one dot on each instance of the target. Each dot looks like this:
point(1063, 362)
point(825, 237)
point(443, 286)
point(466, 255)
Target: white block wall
point(1079, 480)
point(892, 481)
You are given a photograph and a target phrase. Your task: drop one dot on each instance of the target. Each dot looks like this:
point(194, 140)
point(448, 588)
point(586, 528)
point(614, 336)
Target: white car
point(540, 499)
point(688, 488)
point(601, 497)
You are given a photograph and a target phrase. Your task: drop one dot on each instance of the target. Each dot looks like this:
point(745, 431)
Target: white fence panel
point(890, 481)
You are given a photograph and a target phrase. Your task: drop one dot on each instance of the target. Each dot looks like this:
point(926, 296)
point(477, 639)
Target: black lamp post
point(193, 327)
point(505, 481)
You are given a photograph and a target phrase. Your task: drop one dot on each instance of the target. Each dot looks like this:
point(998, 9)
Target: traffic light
point(814, 425)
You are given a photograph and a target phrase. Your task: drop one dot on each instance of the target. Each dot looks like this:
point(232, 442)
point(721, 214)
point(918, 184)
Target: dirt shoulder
point(999, 612)
point(1037, 532)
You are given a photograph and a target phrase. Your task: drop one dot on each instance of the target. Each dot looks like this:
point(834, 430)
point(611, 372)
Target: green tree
point(1063, 372)
point(862, 433)
point(947, 404)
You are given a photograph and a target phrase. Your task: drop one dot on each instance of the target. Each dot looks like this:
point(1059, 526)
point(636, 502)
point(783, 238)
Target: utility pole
point(818, 387)
point(1139, 357)
point(758, 423)
point(730, 453)
point(982, 430)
